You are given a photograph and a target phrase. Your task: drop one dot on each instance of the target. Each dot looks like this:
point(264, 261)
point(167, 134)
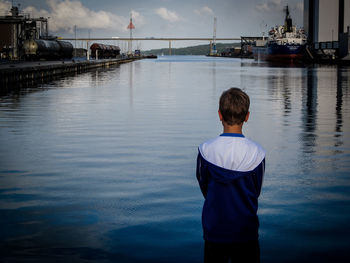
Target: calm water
point(100, 167)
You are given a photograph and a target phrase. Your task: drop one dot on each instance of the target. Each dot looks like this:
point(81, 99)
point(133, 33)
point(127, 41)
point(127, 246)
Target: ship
point(284, 43)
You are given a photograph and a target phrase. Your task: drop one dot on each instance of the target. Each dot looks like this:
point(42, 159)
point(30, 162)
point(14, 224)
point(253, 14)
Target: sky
point(159, 18)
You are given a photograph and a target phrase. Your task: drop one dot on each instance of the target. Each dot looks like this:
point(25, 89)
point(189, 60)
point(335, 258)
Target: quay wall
point(11, 74)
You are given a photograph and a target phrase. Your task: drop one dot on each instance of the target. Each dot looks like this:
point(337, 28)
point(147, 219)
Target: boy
point(230, 171)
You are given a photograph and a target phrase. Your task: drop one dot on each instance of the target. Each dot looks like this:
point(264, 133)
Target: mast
point(130, 27)
point(288, 23)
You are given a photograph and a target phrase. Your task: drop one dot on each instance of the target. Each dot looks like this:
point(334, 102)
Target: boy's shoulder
point(233, 152)
point(223, 142)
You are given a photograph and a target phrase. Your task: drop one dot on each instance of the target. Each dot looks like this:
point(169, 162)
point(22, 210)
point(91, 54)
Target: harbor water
point(100, 166)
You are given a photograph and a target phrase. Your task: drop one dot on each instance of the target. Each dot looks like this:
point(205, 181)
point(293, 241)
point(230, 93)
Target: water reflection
point(322, 114)
point(309, 111)
point(131, 84)
point(286, 92)
point(279, 85)
point(100, 165)
point(341, 79)
point(214, 76)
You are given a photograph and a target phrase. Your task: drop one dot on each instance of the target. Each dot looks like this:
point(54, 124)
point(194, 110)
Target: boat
point(284, 43)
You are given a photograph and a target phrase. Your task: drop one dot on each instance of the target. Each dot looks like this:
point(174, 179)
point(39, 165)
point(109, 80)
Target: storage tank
point(66, 49)
point(104, 51)
point(48, 48)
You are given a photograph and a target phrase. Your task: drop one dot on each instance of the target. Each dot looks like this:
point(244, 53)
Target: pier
point(24, 71)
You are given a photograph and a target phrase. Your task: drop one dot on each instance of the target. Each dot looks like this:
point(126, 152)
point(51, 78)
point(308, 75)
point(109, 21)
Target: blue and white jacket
point(230, 170)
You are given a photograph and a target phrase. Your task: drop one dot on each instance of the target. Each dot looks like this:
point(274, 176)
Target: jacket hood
point(230, 158)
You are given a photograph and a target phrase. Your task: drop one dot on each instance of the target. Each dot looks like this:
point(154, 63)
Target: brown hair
point(234, 106)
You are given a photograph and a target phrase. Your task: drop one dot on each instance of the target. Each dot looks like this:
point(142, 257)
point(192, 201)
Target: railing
point(326, 45)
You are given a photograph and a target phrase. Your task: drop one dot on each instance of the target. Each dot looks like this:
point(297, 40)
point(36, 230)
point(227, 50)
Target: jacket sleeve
point(260, 171)
point(202, 175)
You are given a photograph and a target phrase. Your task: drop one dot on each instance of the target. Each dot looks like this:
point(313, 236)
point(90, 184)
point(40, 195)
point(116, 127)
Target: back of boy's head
point(234, 106)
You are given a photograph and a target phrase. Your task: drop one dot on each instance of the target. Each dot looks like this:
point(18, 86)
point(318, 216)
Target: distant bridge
point(169, 39)
point(151, 38)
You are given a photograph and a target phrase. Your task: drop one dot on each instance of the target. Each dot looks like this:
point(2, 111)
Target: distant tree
point(192, 50)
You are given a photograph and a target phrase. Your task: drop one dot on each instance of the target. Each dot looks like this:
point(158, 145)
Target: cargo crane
point(213, 50)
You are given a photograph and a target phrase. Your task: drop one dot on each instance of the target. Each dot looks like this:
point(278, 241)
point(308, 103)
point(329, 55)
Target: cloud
point(65, 14)
point(137, 18)
point(5, 7)
point(168, 15)
point(269, 6)
point(204, 11)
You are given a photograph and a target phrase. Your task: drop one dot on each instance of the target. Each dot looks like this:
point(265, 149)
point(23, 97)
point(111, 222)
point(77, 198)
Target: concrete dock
point(12, 73)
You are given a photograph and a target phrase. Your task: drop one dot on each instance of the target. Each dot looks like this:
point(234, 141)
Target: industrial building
point(327, 23)
point(15, 29)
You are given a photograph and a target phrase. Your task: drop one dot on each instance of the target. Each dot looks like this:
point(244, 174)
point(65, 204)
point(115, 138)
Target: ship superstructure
point(285, 42)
